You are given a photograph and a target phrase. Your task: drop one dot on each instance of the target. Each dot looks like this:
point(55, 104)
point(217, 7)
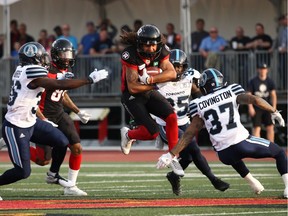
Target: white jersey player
point(218, 111)
point(178, 93)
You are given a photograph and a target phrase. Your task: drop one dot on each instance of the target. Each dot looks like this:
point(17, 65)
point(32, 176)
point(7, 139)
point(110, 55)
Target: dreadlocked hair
point(129, 38)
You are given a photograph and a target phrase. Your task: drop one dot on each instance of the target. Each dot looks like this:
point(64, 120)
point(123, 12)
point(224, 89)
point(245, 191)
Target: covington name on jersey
point(215, 99)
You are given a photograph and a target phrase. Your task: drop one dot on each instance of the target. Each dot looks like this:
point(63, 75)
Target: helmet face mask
point(148, 35)
point(179, 60)
point(63, 53)
point(210, 81)
point(33, 53)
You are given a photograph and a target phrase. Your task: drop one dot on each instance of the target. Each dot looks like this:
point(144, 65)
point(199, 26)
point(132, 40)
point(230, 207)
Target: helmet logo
point(125, 55)
point(30, 50)
point(203, 79)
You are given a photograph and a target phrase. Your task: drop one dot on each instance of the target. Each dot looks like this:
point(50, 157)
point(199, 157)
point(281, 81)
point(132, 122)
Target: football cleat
point(57, 179)
point(219, 184)
point(126, 143)
point(2, 143)
point(176, 167)
point(1, 198)
point(285, 195)
point(256, 186)
point(175, 182)
point(159, 144)
point(74, 191)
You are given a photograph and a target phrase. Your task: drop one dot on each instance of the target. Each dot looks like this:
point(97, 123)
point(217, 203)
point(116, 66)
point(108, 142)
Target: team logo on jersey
point(155, 64)
point(125, 55)
point(30, 50)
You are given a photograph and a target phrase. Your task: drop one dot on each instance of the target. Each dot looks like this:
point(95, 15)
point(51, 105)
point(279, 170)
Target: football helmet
point(33, 53)
point(63, 53)
point(179, 58)
point(148, 34)
point(210, 81)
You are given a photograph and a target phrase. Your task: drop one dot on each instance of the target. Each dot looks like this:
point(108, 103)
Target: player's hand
point(164, 161)
point(277, 116)
point(50, 122)
point(65, 75)
point(98, 75)
point(145, 77)
point(84, 116)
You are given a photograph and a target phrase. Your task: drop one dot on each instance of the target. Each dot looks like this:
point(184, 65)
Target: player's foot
point(2, 143)
point(176, 167)
point(74, 191)
point(1, 198)
point(285, 195)
point(57, 179)
point(126, 143)
point(159, 144)
point(256, 186)
point(175, 182)
point(219, 184)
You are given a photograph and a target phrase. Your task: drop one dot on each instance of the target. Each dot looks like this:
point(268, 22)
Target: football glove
point(277, 116)
point(50, 122)
point(164, 161)
point(144, 77)
point(96, 75)
point(84, 116)
point(65, 75)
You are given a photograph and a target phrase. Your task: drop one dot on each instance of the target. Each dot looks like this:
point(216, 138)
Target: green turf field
point(141, 181)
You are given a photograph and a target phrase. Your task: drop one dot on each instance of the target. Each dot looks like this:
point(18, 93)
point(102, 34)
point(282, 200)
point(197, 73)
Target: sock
point(285, 179)
point(72, 175)
point(171, 130)
point(141, 133)
point(75, 161)
point(249, 178)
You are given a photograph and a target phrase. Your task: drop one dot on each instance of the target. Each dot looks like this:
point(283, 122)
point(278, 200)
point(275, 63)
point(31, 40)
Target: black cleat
point(219, 184)
point(175, 182)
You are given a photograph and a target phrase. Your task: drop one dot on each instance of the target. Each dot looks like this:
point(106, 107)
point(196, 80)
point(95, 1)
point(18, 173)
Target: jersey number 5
point(217, 127)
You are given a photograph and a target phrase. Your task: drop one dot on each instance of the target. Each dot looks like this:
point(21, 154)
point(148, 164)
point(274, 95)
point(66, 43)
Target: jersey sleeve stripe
point(36, 72)
point(193, 109)
point(237, 89)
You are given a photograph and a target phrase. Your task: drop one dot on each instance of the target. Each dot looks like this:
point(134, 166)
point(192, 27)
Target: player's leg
point(257, 122)
point(17, 140)
point(267, 121)
point(66, 125)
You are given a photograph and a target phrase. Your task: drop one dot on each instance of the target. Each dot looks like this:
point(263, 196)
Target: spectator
point(264, 87)
point(44, 40)
point(238, 43)
point(211, 46)
point(14, 33)
point(24, 37)
point(1, 45)
point(88, 39)
point(282, 46)
point(109, 27)
point(196, 39)
point(261, 42)
point(104, 45)
point(137, 24)
point(173, 40)
point(16, 47)
point(66, 34)
point(58, 31)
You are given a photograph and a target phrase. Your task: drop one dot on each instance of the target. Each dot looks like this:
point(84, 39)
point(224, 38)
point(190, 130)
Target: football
point(152, 71)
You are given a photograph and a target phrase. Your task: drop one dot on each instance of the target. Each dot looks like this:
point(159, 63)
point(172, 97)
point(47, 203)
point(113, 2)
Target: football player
point(146, 49)
point(217, 109)
point(178, 93)
point(20, 125)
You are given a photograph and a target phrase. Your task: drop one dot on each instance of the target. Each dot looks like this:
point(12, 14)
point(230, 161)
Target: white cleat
point(126, 143)
point(1, 198)
point(74, 191)
point(285, 195)
point(159, 144)
point(176, 167)
point(57, 179)
point(256, 186)
point(2, 143)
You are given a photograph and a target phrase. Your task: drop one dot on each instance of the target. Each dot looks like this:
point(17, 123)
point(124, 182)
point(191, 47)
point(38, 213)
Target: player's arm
point(168, 73)
point(195, 91)
point(255, 100)
point(273, 97)
point(195, 126)
point(40, 115)
point(67, 102)
point(133, 84)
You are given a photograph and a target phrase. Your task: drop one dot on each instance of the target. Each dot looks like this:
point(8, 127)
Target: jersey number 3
point(217, 127)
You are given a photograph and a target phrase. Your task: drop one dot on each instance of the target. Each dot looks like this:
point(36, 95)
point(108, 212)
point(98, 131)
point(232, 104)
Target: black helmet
point(210, 81)
point(148, 34)
point(63, 53)
point(33, 53)
point(177, 58)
